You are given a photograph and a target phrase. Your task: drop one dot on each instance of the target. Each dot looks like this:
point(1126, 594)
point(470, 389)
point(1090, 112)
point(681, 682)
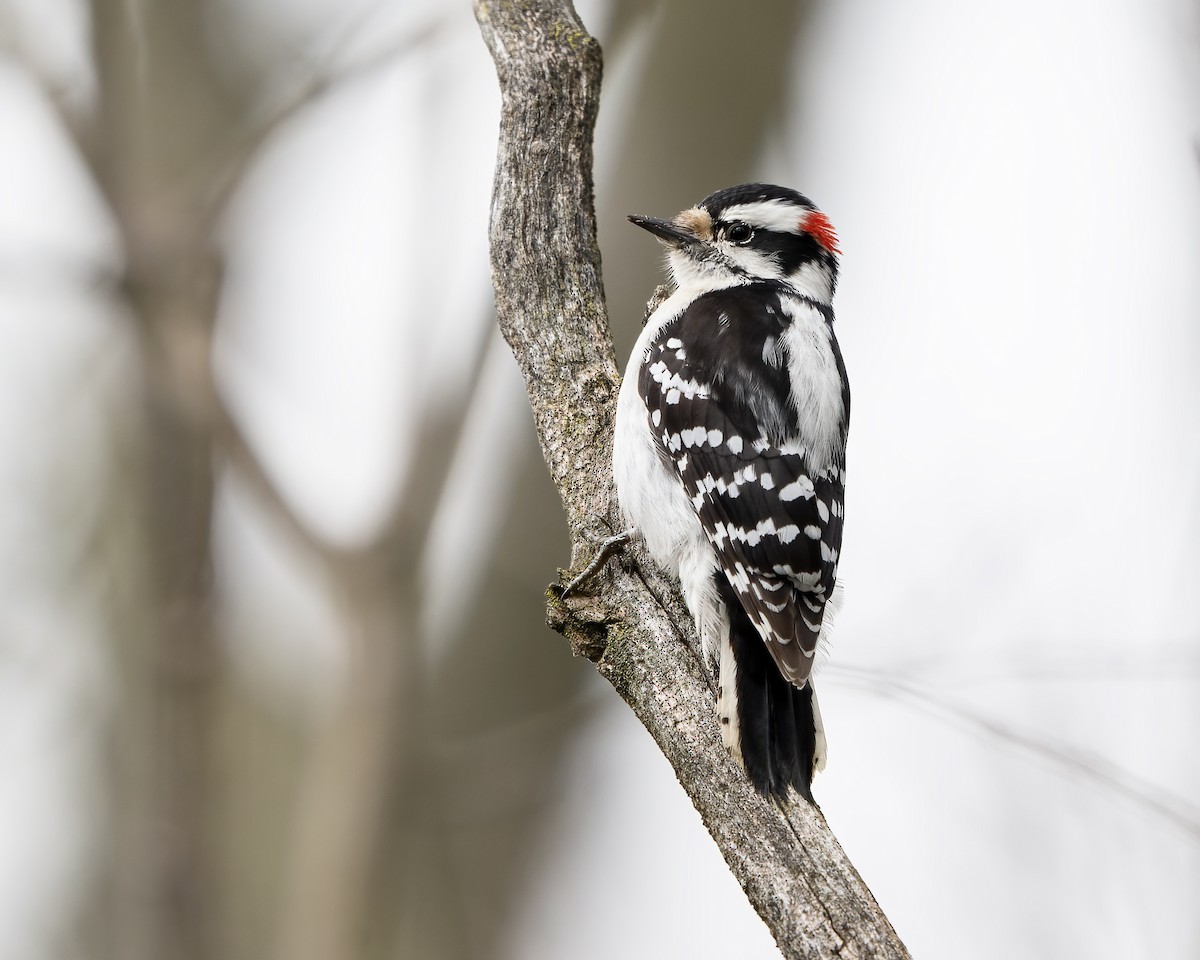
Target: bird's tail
point(770, 726)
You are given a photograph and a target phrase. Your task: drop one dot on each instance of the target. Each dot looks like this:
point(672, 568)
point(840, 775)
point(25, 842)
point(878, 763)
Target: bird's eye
point(739, 233)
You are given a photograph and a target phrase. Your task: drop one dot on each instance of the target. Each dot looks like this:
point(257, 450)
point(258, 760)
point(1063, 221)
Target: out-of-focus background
point(274, 531)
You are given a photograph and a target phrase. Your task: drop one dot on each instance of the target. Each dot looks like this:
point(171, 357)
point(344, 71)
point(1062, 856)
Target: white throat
point(698, 277)
point(701, 276)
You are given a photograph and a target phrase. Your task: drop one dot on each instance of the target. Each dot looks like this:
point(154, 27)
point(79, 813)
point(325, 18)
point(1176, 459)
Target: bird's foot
point(607, 549)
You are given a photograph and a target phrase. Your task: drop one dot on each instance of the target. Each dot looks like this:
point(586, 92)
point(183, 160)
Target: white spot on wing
point(788, 534)
point(673, 383)
point(800, 487)
point(691, 437)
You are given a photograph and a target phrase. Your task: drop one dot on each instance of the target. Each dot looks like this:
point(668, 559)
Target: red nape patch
point(822, 230)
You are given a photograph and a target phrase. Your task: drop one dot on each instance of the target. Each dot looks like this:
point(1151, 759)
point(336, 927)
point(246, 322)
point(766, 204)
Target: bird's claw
point(607, 549)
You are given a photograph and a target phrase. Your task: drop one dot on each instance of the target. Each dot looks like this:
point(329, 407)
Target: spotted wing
point(721, 410)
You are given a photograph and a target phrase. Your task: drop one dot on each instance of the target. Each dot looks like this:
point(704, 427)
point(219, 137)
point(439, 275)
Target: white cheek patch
point(813, 280)
point(756, 264)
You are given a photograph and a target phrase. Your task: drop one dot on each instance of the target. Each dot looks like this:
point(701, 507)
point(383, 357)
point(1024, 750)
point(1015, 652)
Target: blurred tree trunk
point(551, 310)
point(159, 119)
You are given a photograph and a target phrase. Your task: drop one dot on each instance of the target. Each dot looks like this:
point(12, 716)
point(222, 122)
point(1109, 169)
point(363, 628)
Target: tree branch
point(550, 307)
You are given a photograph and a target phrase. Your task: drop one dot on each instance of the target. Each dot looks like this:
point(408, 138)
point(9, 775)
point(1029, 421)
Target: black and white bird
point(729, 458)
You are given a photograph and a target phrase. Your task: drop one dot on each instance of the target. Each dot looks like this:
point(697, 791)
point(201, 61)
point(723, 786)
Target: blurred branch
point(366, 761)
point(1091, 769)
point(403, 537)
point(244, 459)
point(550, 307)
point(65, 102)
point(242, 143)
point(321, 81)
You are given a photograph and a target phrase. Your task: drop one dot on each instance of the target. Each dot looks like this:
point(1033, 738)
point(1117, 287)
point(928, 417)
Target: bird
point(729, 457)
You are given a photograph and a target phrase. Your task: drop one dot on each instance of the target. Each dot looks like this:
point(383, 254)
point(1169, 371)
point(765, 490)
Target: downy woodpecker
point(729, 458)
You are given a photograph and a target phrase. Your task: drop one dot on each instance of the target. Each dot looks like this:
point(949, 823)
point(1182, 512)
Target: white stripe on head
point(782, 215)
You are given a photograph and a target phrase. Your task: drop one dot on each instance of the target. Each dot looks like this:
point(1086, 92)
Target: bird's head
point(748, 233)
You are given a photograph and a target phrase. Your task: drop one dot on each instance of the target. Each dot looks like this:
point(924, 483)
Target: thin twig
point(1095, 770)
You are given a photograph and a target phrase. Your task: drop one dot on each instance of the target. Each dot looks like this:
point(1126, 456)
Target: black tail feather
point(776, 726)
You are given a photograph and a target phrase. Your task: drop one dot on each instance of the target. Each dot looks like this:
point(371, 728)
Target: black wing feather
point(719, 400)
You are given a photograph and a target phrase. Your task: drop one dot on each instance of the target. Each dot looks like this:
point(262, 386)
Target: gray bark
point(550, 307)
